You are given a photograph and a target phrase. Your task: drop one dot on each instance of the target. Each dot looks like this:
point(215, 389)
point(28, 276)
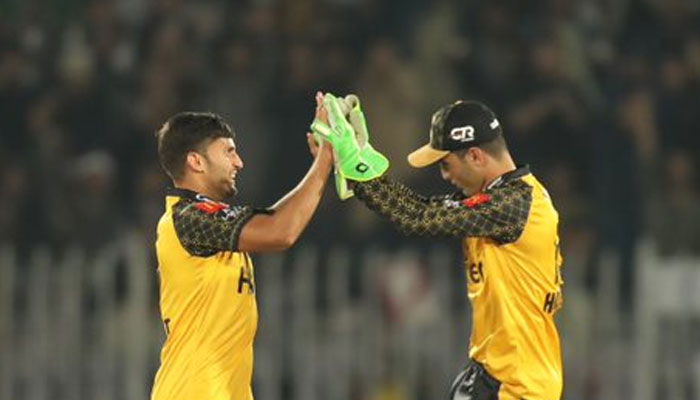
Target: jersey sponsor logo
point(166, 326)
point(451, 203)
point(475, 272)
point(231, 213)
point(211, 208)
point(462, 133)
point(226, 212)
point(553, 302)
point(475, 200)
point(246, 279)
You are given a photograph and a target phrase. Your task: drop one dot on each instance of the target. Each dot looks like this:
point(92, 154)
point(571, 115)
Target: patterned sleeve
point(206, 228)
point(500, 214)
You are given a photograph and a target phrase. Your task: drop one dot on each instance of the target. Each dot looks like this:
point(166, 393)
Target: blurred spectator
point(79, 95)
point(149, 200)
point(389, 89)
point(412, 312)
point(14, 185)
point(678, 116)
point(439, 47)
point(50, 156)
point(92, 200)
point(14, 99)
point(290, 101)
point(625, 151)
point(548, 120)
point(390, 94)
point(493, 56)
point(576, 210)
point(673, 212)
point(238, 94)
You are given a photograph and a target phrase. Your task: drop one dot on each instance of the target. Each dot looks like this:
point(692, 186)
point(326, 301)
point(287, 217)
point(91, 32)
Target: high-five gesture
point(346, 131)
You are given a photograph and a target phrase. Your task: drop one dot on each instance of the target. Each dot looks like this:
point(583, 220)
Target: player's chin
point(230, 189)
point(458, 185)
point(466, 189)
point(233, 189)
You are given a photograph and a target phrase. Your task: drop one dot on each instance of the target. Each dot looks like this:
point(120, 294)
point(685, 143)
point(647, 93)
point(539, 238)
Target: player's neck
point(196, 186)
point(500, 167)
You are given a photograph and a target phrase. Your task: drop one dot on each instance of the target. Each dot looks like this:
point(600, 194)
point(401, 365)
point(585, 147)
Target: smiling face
point(221, 166)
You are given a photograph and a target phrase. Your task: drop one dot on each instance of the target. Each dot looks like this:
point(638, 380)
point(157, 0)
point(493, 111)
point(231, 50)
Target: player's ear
point(195, 162)
point(478, 155)
point(473, 155)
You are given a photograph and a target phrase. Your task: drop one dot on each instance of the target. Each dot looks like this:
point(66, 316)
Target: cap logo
point(494, 124)
point(463, 133)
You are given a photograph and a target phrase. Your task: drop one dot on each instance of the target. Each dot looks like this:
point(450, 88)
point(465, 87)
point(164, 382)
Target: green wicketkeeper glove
point(359, 124)
point(355, 158)
point(341, 184)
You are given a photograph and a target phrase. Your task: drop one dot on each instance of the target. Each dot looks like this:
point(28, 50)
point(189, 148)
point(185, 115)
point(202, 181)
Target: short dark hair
point(185, 132)
point(495, 148)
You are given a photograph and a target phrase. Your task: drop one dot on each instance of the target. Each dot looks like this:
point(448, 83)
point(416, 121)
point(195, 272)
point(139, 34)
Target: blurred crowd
point(599, 97)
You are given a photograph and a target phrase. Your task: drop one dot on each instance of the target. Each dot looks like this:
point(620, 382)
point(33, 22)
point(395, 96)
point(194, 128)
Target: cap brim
point(425, 156)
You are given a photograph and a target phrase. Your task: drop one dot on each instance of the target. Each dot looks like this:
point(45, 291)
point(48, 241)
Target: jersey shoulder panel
point(206, 227)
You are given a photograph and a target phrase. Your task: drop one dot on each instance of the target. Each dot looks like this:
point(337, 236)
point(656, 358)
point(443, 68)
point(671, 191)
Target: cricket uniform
point(207, 300)
point(512, 262)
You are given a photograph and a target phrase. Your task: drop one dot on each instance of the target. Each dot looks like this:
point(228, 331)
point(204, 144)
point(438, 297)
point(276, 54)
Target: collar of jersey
point(509, 176)
point(189, 194)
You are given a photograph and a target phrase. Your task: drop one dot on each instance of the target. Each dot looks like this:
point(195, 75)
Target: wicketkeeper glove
point(357, 120)
point(355, 158)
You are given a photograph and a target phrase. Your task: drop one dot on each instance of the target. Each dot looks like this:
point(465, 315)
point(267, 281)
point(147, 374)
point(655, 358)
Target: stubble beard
point(229, 190)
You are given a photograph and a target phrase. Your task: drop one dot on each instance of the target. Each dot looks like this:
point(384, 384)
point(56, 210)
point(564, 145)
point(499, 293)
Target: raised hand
point(316, 144)
point(357, 120)
point(355, 159)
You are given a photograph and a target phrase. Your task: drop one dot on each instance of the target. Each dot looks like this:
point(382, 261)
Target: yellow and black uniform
point(512, 262)
point(207, 300)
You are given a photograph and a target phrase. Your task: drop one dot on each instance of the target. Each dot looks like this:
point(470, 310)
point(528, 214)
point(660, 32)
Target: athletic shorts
point(474, 383)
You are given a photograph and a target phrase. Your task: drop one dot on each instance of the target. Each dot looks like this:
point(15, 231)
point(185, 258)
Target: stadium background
point(599, 96)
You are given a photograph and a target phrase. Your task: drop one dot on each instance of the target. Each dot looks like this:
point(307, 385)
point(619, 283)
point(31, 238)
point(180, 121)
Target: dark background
point(599, 97)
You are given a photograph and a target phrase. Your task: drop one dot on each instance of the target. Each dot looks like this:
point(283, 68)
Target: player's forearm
point(500, 215)
point(293, 212)
point(403, 207)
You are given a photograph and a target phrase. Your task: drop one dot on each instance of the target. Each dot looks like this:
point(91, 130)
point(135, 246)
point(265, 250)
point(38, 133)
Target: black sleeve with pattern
point(204, 231)
point(500, 214)
point(456, 196)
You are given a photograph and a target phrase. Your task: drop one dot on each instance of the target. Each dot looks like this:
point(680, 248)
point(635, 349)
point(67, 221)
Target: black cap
point(457, 126)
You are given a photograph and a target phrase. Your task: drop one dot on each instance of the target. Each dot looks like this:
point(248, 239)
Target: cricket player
point(508, 227)
point(207, 279)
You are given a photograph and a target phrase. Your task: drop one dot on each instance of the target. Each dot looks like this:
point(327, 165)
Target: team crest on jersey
point(475, 200)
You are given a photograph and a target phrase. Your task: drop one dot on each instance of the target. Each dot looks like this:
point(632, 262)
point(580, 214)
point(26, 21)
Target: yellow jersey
point(207, 301)
point(512, 261)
